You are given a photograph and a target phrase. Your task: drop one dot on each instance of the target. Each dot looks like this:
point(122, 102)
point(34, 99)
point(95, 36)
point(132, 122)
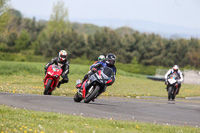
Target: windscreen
point(174, 76)
point(107, 71)
point(55, 68)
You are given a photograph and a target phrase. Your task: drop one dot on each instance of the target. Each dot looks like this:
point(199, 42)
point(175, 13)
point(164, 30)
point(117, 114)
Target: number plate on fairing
point(172, 81)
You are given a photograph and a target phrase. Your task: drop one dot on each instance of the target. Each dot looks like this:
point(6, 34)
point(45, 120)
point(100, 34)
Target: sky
point(165, 17)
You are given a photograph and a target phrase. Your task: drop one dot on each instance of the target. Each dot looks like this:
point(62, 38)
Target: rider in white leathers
point(175, 69)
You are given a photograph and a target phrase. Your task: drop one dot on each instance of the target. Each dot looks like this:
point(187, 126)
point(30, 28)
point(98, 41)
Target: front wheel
point(174, 94)
point(77, 98)
point(91, 95)
point(48, 87)
point(170, 93)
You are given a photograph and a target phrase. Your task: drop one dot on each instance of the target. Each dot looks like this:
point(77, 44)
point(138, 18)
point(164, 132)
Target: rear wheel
point(48, 87)
point(92, 94)
point(77, 98)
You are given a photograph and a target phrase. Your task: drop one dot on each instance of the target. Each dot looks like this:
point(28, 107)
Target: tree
point(59, 21)
point(14, 23)
point(193, 52)
point(4, 14)
point(106, 41)
point(194, 57)
point(11, 39)
point(23, 42)
point(57, 27)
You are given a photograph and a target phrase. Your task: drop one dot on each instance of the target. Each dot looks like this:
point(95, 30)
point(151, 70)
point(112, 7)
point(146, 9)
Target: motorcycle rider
point(175, 69)
point(101, 58)
point(109, 62)
point(61, 61)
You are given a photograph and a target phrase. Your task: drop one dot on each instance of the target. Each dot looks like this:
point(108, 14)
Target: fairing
point(98, 78)
point(53, 72)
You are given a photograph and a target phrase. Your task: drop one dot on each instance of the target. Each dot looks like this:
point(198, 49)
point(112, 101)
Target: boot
point(78, 85)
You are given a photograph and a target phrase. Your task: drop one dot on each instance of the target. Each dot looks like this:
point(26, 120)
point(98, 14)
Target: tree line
point(47, 38)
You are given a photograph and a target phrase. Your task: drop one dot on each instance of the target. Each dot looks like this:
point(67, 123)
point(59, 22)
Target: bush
point(24, 57)
point(137, 68)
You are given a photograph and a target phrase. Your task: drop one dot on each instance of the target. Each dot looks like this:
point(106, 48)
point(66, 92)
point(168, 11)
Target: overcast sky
point(182, 13)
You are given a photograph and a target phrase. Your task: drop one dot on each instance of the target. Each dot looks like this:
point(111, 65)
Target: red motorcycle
point(51, 79)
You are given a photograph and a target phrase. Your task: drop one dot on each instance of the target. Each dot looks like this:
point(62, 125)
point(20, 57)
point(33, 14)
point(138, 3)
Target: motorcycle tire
point(48, 87)
point(92, 95)
point(170, 93)
point(174, 94)
point(77, 98)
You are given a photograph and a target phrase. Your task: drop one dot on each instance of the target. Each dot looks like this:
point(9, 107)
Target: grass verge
point(21, 120)
point(123, 87)
point(26, 77)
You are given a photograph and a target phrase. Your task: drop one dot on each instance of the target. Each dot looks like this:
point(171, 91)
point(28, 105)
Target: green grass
point(23, 77)
point(28, 56)
point(24, 121)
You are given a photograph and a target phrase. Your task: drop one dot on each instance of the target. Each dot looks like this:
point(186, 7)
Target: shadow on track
point(92, 103)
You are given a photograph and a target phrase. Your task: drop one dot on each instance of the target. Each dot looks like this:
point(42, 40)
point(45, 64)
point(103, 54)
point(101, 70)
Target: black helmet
point(110, 59)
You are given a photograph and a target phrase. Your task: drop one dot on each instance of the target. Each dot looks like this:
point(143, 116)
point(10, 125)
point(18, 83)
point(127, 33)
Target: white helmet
point(62, 55)
point(101, 58)
point(175, 68)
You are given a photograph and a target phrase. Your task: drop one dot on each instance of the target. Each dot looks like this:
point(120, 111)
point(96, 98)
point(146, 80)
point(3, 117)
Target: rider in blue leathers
point(110, 62)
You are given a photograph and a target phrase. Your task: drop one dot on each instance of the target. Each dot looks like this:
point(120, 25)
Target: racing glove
point(94, 70)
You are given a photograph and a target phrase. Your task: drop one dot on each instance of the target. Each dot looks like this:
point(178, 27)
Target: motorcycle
point(51, 79)
point(94, 85)
point(172, 86)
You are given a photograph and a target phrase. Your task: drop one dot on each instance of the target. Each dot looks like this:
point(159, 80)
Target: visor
point(112, 62)
point(63, 56)
point(62, 59)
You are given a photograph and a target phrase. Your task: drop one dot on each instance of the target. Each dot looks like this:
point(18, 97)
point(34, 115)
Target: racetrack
point(182, 112)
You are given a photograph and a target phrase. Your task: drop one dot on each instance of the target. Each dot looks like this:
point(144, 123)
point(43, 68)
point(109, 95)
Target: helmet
point(62, 55)
point(110, 59)
point(175, 68)
point(101, 58)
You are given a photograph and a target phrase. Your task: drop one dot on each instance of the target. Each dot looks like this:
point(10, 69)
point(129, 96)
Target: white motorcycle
point(172, 86)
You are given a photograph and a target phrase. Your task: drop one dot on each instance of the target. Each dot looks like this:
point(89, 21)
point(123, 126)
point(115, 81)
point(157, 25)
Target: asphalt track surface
point(159, 111)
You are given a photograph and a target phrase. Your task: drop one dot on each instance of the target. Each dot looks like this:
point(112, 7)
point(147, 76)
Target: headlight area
point(56, 75)
point(52, 74)
point(49, 73)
